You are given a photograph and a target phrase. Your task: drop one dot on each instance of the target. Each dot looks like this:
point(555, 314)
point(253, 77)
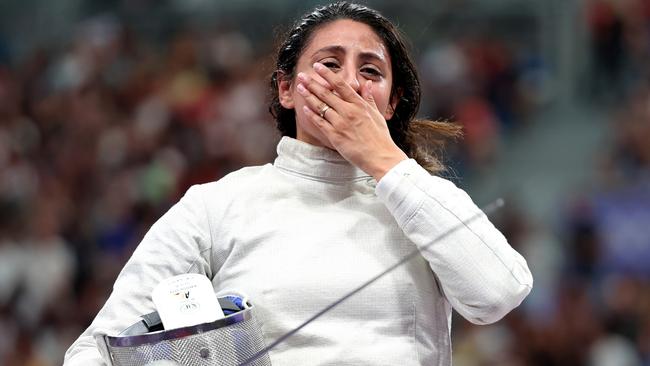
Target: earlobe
point(284, 91)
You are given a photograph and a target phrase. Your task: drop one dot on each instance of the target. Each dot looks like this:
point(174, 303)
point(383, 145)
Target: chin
point(313, 136)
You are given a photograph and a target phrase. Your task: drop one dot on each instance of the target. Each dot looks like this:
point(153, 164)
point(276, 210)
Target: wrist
point(385, 163)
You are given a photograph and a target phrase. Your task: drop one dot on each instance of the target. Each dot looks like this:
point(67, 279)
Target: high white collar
point(315, 162)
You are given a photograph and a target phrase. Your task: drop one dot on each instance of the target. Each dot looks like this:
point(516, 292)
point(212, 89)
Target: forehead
point(347, 33)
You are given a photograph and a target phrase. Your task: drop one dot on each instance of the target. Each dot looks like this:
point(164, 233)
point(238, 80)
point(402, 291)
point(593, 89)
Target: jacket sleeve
point(179, 242)
point(481, 275)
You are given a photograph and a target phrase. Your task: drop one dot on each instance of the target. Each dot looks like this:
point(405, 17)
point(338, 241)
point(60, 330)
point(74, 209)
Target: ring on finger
point(322, 110)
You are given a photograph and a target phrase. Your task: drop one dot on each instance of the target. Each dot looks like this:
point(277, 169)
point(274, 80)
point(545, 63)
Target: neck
point(301, 135)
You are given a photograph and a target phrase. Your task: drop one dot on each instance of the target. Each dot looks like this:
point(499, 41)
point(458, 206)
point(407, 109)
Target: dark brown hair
point(422, 140)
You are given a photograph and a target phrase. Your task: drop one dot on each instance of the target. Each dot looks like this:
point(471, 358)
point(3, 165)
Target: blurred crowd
point(488, 85)
point(100, 136)
point(97, 140)
point(591, 300)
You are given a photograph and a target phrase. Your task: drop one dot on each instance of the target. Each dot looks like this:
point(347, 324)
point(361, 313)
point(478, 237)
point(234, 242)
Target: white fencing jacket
point(296, 235)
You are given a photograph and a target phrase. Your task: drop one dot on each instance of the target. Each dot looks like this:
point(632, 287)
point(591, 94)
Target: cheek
point(299, 102)
point(381, 93)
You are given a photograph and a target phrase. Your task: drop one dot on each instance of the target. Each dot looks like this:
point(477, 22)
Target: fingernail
point(301, 89)
point(302, 76)
point(318, 66)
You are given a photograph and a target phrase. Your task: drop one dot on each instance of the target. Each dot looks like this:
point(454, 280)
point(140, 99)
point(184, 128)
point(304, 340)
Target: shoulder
point(230, 185)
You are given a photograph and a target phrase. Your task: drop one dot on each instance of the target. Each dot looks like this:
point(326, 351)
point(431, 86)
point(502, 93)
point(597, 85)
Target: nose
point(351, 78)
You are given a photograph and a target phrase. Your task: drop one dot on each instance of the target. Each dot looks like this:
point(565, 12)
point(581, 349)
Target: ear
point(285, 90)
point(390, 108)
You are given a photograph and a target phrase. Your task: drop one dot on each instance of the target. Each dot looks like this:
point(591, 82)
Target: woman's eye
point(331, 65)
point(370, 71)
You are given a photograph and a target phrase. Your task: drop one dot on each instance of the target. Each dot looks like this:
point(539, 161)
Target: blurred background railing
point(110, 110)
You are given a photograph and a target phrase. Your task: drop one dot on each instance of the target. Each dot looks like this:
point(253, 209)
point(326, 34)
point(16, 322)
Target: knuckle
point(323, 93)
point(348, 115)
point(340, 84)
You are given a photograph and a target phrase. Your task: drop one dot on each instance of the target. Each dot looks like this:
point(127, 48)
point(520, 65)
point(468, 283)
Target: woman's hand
point(352, 123)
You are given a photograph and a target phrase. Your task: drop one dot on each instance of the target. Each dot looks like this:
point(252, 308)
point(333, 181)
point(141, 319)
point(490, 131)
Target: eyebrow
point(340, 49)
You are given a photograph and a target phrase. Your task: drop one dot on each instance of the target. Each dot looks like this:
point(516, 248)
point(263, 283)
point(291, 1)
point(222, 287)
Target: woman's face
point(355, 52)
